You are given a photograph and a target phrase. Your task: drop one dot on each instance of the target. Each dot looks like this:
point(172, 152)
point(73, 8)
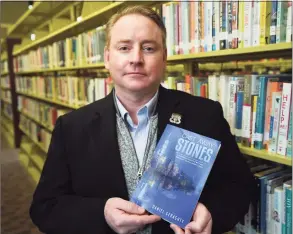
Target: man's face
point(136, 58)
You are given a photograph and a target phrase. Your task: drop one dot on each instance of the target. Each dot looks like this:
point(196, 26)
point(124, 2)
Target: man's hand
point(125, 217)
point(201, 222)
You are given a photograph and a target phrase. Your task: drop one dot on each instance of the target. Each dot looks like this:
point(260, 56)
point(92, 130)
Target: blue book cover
point(172, 184)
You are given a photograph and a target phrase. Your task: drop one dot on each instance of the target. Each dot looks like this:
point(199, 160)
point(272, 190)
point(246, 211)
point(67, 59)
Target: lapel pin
point(175, 118)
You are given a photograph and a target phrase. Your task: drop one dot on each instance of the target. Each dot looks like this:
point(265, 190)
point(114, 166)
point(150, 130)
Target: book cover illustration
point(171, 186)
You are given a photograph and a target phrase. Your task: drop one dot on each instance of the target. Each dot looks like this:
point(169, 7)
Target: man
point(98, 153)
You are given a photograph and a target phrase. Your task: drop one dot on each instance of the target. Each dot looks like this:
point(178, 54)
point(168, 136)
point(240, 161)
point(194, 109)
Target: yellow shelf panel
point(4, 73)
point(24, 159)
point(8, 137)
point(35, 142)
point(38, 161)
point(49, 100)
point(228, 52)
point(35, 174)
point(37, 121)
point(263, 154)
point(88, 66)
point(5, 88)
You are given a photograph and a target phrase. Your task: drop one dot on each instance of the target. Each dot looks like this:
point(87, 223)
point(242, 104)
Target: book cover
point(171, 186)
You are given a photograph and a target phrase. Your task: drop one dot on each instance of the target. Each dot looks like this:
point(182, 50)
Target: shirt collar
point(150, 105)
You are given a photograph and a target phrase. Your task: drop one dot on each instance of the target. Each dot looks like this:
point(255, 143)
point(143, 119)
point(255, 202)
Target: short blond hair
point(139, 10)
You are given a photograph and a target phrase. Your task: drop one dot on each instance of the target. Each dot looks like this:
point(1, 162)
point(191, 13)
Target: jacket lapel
point(168, 108)
point(104, 135)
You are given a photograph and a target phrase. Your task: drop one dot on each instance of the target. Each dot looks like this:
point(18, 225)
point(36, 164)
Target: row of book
point(7, 110)
point(35, 131)
point(257, 107)
point(86, 48)
point(75, 91)
point(5, 82)
point(6, 95)
point(192, 27)
point(271, 213)
point(202, 26)
point(4, 66)
point(41, 112)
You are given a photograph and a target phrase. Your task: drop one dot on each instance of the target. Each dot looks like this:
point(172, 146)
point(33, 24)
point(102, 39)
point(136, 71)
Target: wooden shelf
point(251, 52)
point(35, 142)
point(37, 160)
point(8, 126)
point(37, 121)
point(48, 100)
point(8, 136)
point(89, 66)
point(5, 88)
point(6, 101)
point(88, 22)
point(4, 73)
point(263, 154)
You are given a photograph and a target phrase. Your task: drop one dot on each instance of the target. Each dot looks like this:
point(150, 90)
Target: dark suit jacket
point(83, 167)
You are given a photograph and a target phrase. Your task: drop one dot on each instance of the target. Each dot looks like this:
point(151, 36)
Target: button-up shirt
point(139, 132)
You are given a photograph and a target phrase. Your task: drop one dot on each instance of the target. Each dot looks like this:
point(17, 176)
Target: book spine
point(256, 23)
point(279, 20)
point(288, 211)
point(284, 119)
point(223, 25)
point(289, 140)
point(289, 23)
point(230, 16)
point(241, 25)
point(277, 217)
point(246, 115)
point(276, 98)
point(235, 23)
point(239, 106)
point(248, 23)
point(259, 125)
point(197, 26)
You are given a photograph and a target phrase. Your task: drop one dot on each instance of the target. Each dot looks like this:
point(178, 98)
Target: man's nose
point(136, 56)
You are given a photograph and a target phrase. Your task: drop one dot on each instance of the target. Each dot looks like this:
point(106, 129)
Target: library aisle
point(17, 188)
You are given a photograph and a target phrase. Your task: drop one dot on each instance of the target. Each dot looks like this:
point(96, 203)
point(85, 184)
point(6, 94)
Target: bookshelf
point(263, 154)
point(48, 100)
point(32, 152)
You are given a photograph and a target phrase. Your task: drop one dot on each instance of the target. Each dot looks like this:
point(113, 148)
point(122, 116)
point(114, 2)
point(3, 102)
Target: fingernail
point(140, 209)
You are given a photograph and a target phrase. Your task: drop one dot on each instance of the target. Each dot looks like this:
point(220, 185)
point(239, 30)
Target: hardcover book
point(171, 186)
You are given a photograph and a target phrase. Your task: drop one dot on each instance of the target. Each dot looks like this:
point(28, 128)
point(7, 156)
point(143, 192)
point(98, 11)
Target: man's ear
point(106, 57)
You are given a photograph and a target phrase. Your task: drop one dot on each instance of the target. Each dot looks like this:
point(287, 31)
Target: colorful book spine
point(248, 23)
point(289, 23)
point(278, 209)
point(260, 115)
point(288, 211)
point(265, 12)
point(284, 119)
point(275, 113)
point(289, 140)
point(241, 21)
point(256, 23)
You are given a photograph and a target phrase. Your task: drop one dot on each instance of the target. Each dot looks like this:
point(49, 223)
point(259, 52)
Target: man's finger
point(129, 207)
point(139, 220)
point(176, 229)
point(200, 226)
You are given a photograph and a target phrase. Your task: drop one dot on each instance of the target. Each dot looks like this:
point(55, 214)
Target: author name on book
point(168, 214)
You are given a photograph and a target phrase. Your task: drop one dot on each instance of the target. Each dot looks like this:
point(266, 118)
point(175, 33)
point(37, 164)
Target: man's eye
point(148, 49)
point(123, 48)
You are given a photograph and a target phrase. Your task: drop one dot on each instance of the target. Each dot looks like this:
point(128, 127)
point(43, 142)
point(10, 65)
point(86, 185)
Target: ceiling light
point(79, 18)
point(33, 36)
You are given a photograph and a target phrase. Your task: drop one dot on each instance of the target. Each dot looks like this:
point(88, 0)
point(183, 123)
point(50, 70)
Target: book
point(171, 186)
